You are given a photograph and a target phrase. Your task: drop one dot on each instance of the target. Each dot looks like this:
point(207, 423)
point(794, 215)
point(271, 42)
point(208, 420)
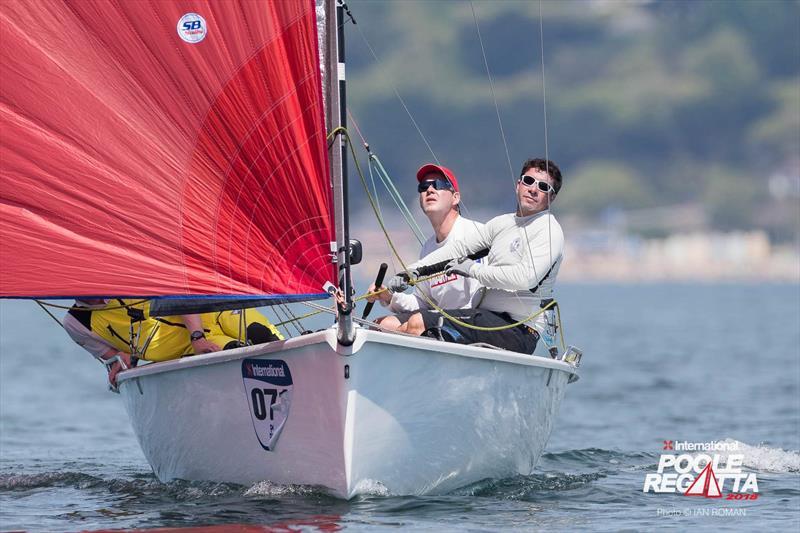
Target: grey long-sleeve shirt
point(522, 250)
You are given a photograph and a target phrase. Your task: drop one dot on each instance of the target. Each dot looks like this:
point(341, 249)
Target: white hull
point(416, 416)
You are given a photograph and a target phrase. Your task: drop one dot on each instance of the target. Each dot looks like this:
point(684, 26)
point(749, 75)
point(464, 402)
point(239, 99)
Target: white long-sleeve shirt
point(448, 292)
point(85, 338)
point(522, 250)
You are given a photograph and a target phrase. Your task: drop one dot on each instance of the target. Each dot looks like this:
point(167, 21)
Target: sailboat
point(178, 149)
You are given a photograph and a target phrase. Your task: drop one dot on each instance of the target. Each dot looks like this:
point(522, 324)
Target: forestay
point(170, 148)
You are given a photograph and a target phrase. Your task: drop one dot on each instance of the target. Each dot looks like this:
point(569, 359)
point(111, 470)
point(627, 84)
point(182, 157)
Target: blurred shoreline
point(698, 256)
point(608, 254)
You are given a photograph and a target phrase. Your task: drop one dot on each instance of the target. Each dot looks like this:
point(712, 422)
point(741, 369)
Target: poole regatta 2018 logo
point(192, 28)
point(703, 474)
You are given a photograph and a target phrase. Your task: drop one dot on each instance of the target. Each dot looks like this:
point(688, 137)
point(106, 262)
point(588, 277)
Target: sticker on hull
point(268, 386)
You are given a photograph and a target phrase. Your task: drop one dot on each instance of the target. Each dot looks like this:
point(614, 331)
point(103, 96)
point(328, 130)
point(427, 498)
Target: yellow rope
point(299, 318)
point(343, 131)
point(561, 328)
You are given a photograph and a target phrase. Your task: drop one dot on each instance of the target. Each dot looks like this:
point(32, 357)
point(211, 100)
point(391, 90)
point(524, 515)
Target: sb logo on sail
point(192, 28)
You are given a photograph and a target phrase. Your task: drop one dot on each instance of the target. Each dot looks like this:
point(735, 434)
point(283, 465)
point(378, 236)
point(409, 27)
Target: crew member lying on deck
point(111, 330)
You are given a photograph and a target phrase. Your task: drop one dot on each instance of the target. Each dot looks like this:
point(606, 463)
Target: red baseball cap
point(438, 169)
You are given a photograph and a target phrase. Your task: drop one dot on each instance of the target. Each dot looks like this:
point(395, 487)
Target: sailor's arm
point(406, 303)
point(200, 344)
point(545, 250)
point(114, 360)
point(86, 339)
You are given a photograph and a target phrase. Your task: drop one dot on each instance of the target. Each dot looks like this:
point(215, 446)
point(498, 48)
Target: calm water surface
point(663, 362)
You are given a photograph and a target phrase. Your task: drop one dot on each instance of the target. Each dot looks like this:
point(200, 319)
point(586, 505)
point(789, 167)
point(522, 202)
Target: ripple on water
point(145, 485)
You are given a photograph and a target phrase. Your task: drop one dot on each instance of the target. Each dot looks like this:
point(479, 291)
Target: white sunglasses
point(541, 185)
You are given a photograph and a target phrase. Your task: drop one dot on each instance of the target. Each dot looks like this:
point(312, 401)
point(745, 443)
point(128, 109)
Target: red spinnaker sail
point(162, 148)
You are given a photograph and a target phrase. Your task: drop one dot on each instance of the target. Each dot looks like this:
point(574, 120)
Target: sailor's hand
point(399, 283)
point(384, 296)
point(459, 266)
point(115, 368)
point(203, 345)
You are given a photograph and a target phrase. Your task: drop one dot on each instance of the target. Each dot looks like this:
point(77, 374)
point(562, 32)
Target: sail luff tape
point(341, 72)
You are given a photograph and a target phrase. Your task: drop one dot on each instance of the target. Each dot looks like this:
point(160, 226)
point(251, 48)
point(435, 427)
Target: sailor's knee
point(390, 323)
point(415, 325)
point(259, 334)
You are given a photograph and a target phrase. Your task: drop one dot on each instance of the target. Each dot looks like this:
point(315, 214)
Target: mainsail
point(170, 148)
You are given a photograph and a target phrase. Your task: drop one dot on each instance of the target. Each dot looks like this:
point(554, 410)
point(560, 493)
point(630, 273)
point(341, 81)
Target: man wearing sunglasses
point(525, 252)
point(439, 198)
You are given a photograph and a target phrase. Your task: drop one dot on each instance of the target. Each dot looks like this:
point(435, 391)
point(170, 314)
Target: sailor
point(440, 200)
point(170, 337)
point(525, 252)
point(111, 329)
point(127, 325)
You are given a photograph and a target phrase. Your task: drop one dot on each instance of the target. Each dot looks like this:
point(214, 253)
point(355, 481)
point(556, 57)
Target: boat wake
point(762, 458)
point(520, 487)
point(140, 485)
point(594, 458)
point(556, 473)
point(268, 488)
point(9, 482)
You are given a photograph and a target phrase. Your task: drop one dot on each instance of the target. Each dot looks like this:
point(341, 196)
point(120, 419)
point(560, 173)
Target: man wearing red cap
point(439, 198)
point(525, 252)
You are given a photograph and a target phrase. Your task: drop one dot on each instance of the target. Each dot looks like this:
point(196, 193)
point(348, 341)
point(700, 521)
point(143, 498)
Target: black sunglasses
point(440, 184)
point(541, 185)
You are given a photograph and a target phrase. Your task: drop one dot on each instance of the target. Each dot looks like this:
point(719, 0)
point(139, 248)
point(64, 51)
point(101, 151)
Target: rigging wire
point(46, 310)
point(394, 193)
point(281, 323)
point(289, 317)
point(400, 98)
point(505, 143)
point(103, 307)
point(494, 97)
point(374, 163)
point(544, 120)
point(384, 175)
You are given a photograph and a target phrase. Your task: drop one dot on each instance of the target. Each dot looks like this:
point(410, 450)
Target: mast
point(337, 117)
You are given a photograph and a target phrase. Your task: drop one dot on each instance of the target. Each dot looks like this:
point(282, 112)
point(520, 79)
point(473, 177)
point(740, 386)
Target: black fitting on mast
point(347, 11)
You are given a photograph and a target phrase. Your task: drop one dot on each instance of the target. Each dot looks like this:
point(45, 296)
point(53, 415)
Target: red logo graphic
point(702, 486)
point(668, 445)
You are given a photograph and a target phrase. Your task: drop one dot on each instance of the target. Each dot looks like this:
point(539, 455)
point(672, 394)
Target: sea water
point(693, 363)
